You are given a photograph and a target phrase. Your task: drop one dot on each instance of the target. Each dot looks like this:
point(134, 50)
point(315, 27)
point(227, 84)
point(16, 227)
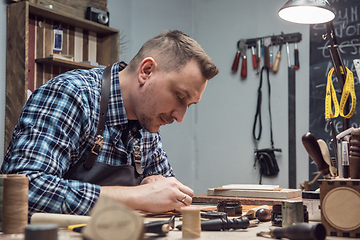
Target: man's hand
point(156, 196)
point(151, 178)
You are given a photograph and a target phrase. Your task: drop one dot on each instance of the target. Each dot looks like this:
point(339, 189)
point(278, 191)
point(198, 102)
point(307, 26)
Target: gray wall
point(214, 145)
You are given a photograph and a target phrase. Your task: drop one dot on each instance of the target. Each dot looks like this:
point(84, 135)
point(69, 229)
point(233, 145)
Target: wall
point(214, 145)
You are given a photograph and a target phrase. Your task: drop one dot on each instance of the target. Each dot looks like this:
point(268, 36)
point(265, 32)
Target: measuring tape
point(348, 89)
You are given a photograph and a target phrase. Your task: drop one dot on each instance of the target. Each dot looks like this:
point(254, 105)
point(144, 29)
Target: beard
point(152, 124)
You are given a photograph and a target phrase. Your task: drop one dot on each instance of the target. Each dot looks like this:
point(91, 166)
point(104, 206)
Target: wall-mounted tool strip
point(275, 39)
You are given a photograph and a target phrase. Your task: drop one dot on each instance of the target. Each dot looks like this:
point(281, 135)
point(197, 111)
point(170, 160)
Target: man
point(58, 131)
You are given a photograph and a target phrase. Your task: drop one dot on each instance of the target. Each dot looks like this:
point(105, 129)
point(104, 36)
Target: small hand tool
point(312, 147)
point(296, 56)
point(223, 224)
point(267, 42)
point(161, 228)
point(253, 55)
point(258, 54)
point(235, 65)
point(288, 54)
point(278, 55)
point(300, 231)
point(242, 46)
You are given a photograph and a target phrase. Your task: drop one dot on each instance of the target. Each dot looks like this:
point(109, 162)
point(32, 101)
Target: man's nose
point(178, 114)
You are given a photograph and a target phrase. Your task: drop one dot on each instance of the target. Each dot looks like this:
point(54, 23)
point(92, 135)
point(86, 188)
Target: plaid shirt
point(57, 128)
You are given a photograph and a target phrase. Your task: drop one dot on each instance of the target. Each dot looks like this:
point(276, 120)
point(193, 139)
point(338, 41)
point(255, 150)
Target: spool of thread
point(2, 176)
point(191, 227)
point(15, 203)
point(47, 231)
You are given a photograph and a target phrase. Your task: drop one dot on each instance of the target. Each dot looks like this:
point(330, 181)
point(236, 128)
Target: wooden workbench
point(249, 234)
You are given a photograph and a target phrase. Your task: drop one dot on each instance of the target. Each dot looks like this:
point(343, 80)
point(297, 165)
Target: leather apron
point(91, 171)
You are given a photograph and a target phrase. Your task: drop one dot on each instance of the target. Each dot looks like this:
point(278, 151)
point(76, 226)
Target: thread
point(191, 227)
point(46, 231)
point(2, 176)
point(15, 203)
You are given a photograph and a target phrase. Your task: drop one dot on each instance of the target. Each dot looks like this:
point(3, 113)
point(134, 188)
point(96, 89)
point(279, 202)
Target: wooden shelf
point(65, 63)
point(29, 40)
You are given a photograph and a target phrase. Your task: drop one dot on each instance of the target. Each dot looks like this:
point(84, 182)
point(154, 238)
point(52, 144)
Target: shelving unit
point(29, 47)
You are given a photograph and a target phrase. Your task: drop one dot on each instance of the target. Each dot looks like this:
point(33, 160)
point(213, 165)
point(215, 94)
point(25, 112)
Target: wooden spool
point(340, 207)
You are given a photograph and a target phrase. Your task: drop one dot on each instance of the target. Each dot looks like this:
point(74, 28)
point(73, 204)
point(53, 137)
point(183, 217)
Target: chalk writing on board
point(347, 30)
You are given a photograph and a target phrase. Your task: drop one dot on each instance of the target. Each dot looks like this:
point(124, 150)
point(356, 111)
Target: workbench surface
point(175, 234)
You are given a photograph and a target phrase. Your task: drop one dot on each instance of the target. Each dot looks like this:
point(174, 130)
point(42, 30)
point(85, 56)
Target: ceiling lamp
point(307, 11)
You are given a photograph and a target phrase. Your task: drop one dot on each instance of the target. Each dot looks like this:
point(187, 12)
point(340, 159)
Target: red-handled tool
point(235, 65)
point(296, 53)
point(253, 55)
point(242, 46)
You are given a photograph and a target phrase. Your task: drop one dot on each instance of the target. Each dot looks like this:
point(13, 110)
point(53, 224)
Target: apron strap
point(104, 102)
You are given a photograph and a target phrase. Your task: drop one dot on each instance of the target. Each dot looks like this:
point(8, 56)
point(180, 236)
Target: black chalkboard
point(347, 28)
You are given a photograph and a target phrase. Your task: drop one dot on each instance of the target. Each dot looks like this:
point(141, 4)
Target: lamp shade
point(307, 11)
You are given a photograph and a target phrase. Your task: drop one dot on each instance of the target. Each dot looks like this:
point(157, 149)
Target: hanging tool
point(235, 65)
point(278, 55)
point(300, 231)
point(267, 42)
point(296, 56)
point(253, 55)
point(242, 47)
point(258, 54)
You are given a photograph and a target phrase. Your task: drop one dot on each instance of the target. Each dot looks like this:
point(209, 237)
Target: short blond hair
point(172, 50)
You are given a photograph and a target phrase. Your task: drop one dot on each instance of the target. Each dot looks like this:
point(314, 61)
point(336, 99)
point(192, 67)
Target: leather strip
point(104, 102)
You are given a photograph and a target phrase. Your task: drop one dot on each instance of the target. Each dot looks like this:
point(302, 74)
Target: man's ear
point(146, 69)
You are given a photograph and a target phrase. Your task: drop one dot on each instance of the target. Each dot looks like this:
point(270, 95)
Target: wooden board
point(282, 194)
point(206, 199)
point(250, 187)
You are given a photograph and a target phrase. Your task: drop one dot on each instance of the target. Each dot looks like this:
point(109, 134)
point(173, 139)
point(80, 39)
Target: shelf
point(39, 10)
point(65, 63)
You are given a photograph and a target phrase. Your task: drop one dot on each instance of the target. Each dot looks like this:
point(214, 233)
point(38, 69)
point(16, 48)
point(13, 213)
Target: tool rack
point(275, 39)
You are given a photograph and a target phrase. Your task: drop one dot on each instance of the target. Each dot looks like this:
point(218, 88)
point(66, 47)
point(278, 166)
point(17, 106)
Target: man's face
point(165, 97)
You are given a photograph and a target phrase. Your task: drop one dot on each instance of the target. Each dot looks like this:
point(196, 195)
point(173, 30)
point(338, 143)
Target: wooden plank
point(16, 65)
point(282, 194)
point(75, 8)
point(251, 187)
point(64, 63)
point(78, 45)
point(76, 21)
point(205, 199)
point(31, 54)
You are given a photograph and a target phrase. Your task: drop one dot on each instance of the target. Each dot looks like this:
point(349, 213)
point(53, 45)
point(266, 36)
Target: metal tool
point(160, 228)
point(253, 55)
point(300, 231)
point(267, 42)
point(242, 47)
point(278, 55)
point(258, 54)
point(223, 224)
point(296, 56)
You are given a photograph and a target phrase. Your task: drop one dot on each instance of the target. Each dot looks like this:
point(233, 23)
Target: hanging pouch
point(267, 161)
point(265, 157)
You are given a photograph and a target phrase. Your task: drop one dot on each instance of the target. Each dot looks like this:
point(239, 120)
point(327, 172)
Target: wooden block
point(340, 207)
point(282, 194)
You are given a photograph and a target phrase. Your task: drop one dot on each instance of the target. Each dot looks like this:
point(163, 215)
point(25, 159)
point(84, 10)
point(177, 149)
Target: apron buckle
point(97, 145)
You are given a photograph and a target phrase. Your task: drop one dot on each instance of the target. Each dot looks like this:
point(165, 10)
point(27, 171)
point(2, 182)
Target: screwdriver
point(300, 231)
point(254, 60)
point(296, 54)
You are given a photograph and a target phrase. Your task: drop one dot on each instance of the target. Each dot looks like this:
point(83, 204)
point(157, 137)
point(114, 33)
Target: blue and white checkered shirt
point(57, 128)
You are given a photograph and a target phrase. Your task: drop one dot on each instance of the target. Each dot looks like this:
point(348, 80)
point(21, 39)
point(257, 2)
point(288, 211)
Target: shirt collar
point(116, 110)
